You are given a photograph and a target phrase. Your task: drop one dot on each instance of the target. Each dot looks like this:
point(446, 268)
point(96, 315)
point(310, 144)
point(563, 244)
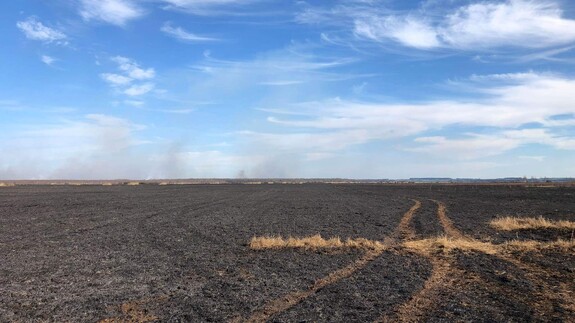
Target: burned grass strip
point(445, 244)
point(315, 242)
point(509, 223)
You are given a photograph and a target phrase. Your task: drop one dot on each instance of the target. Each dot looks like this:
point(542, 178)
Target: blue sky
point(103, 89)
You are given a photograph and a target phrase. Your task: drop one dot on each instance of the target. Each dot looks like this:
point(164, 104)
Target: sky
point(145, 89)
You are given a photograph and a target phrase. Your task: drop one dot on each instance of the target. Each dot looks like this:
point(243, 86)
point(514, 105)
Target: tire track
point(290, 300)
point(404, 231)
point(445, 274)
point(442, 274)
point(448, 227)
point(415, 309)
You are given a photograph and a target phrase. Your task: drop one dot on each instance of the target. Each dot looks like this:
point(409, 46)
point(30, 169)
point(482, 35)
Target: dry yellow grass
point(133, 183)
point(513, 223)
point(107, 184)
point(314, 242)
point(6, 184)
point(532, 245)
point(447, 244)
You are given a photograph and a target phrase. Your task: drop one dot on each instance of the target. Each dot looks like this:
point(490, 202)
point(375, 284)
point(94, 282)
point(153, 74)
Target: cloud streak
point(477, 26)
point(208, 7)
point(133, 80)
point(517, 101)
point(183, 35)
point(34, 29)
point(115, 12)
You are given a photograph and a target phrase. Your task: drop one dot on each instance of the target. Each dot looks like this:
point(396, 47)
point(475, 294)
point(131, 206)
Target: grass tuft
point(447, 244)
point(313, 242)
point(513, 223)
point(531, 245)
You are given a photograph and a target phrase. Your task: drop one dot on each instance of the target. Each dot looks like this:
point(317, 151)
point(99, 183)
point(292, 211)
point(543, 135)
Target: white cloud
point(522, 23)
point(115, 12)
point(282, 69)
point(134, 103)
point(535, 158)
point(133, 70)
point(132, 79)
point(36, 30)
point(516, 101)
point(140, 89)
point(207, 7)
point(183, 35)
point(475, 146)
point(477, 26)
point(48, 60)
point(116, 79)
point(405, 30)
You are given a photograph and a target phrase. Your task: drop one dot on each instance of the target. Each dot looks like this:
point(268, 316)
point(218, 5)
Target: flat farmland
point(184, 253)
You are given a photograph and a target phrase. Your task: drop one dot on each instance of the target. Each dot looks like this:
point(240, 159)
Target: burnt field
point(184, 253)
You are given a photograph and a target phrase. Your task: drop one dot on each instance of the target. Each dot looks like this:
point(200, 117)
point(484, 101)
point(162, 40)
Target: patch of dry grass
point(7, 184)
point(532, 245)
point(133, 183)
point(314, 242)
point(447, 244)
point(509, 223)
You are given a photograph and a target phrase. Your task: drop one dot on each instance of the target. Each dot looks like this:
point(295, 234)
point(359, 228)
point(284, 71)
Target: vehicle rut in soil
point(284, 303)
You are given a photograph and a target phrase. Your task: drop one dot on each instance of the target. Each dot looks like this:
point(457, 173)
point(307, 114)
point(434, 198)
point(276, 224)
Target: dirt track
point(179, 253)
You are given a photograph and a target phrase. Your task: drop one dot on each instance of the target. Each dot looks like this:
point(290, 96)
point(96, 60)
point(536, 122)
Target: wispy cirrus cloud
point(409, 31)
point(184, 35)
point(115, 12)
point(473, 145)
point(132, 80)
point(286, 67)
point(48, 60)
point(34, 29)
point(510, 102)
point(208, 7)
point(116, 79)
point(133, 70)
point(139, 89)
point(476, 26)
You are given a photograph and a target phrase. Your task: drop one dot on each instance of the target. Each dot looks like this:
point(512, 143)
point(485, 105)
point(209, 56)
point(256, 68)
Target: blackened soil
point(425, 221)
point(179, 253)
point(366, 296)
